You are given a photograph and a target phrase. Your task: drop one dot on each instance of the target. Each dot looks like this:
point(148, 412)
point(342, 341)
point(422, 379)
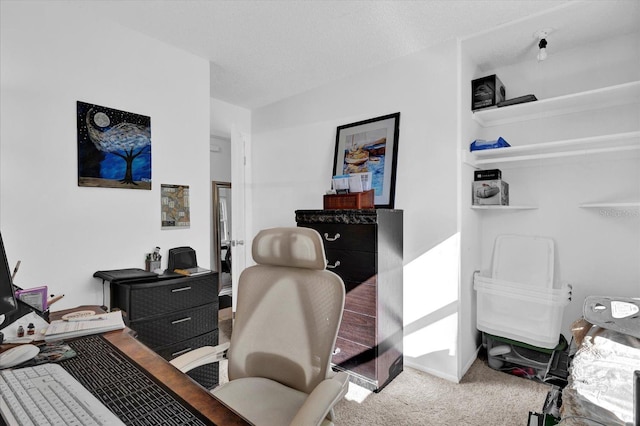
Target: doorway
point(221, 196)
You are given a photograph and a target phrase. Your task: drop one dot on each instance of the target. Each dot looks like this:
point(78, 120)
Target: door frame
point(240, 206)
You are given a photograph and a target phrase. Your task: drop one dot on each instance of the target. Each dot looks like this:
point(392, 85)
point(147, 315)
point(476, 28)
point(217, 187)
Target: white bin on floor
point(520, 299)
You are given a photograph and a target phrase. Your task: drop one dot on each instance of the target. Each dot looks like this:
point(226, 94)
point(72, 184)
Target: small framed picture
point(370, 146)
point(174, 205)
point(35, 297)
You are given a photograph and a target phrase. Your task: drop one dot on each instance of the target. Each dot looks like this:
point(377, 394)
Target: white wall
point(226, 116)
point(53, 56)
point(220, 157)
point(293, 147)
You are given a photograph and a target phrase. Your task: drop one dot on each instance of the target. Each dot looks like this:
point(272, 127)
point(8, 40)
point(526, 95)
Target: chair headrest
point(295, 247)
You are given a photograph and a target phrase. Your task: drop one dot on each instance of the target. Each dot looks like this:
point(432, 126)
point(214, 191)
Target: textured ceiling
point(263, 51)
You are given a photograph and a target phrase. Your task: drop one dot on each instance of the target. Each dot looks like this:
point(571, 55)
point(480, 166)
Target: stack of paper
point(61, 329)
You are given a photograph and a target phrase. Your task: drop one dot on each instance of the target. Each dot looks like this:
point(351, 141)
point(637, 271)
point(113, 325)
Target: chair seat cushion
point(262, 401)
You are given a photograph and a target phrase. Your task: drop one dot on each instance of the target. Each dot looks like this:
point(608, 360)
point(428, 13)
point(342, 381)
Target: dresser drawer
point(346, 237)
point(206, 375)
point(361, 297)
point(355, 266)
point(358, 328)
point(356, 358)
point(176, 349)
point(176, 326)
point(146, 300)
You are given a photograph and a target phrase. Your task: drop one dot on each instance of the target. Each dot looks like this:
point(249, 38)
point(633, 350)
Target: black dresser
point(173, 315)
point(364, 247)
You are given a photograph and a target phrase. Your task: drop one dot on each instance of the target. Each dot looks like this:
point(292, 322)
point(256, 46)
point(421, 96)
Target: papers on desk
point(61, 329)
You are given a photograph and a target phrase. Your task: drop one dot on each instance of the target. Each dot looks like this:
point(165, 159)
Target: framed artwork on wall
point(370, 146)
point(175, 206)
point(114, 148)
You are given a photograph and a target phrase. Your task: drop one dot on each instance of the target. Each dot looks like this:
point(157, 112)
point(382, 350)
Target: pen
point(15, 270)
point(87, 318)
point(54, 299)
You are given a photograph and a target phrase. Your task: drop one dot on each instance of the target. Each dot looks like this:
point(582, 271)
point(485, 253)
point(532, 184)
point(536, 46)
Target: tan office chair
point(287, 318)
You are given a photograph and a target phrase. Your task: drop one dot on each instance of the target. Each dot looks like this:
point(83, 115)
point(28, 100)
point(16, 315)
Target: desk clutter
point(31, 327)
point(31, 318)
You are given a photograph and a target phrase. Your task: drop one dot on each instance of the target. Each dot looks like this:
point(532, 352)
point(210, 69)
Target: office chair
point(288, 313)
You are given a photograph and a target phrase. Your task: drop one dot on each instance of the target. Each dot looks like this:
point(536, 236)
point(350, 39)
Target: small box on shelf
point(487, 92)
point(352, 200)
point(490, 192)
point(493, 174)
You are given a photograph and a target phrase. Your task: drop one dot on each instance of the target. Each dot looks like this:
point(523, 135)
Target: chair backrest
point(288, 311)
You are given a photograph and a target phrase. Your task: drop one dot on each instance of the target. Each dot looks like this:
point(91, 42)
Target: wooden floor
point(224, 314)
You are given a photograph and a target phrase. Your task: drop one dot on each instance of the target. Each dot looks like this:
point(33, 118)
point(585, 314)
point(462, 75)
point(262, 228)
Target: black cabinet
point(364, 247)
point(173, 315)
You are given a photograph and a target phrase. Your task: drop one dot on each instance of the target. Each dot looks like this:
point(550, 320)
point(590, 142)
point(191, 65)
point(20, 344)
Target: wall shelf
point(593, 145)
point(521, 207)
point(621, 94)
point(610, 205)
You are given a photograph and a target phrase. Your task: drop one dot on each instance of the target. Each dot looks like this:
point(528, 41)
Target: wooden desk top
point(178, 382)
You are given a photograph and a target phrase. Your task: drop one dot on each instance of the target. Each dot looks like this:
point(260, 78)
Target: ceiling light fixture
point(542, 43)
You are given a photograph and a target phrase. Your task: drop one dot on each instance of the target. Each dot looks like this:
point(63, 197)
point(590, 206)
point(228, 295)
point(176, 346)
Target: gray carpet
point(483, 397)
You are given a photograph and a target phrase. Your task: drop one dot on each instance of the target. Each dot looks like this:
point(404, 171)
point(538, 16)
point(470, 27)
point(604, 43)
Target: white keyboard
point(48, 395)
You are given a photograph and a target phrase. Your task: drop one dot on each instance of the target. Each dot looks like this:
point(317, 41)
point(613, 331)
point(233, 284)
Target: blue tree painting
point(114, 148)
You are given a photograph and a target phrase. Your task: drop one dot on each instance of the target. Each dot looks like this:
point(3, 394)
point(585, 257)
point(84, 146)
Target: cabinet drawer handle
point(184, 351)
point(335, 265)
point(181, 320)
point(175, 290)
point(326, 237)
point(336, 351)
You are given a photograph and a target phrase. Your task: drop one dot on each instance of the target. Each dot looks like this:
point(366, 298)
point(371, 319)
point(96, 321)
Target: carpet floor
point(483, 397)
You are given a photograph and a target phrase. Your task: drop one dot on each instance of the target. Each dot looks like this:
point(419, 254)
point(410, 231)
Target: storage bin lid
point(524, 259)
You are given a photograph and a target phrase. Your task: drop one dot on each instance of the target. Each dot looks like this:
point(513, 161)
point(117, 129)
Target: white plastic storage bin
point(521, 298)
point(527, 260)
point(525, 316)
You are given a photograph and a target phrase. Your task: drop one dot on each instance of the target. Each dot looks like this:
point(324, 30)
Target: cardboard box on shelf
point(490, 192)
